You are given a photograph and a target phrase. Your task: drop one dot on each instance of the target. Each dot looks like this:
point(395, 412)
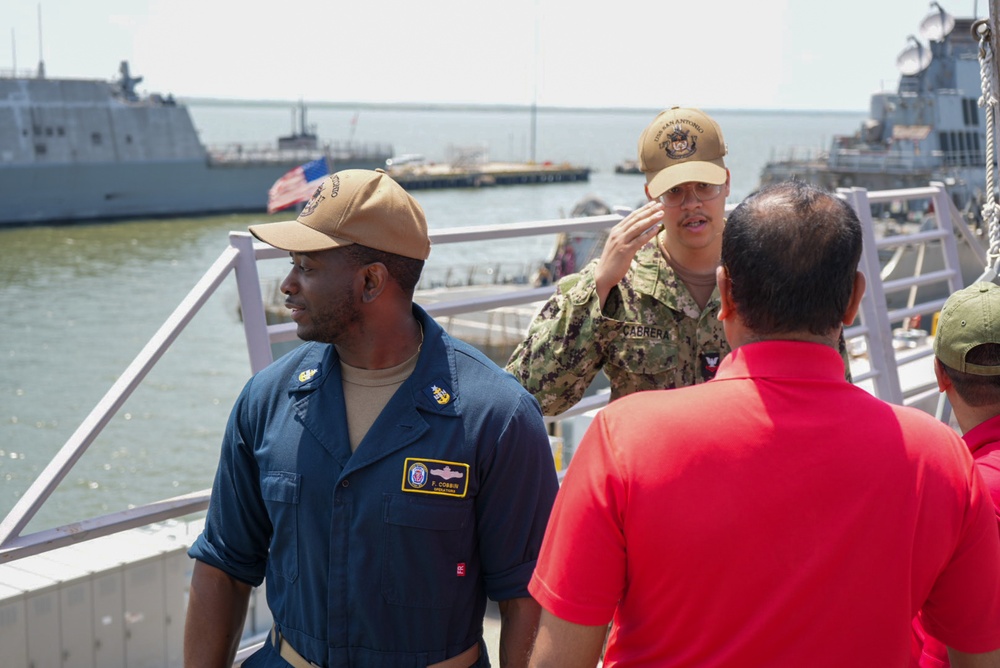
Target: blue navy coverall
point(383, 557)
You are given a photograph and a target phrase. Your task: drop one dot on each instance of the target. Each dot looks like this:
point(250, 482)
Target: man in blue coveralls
point(385, 477)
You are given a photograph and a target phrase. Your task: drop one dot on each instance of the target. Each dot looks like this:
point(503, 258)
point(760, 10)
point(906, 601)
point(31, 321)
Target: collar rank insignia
point(306, 376)
point(439, 394)
point(434, 476)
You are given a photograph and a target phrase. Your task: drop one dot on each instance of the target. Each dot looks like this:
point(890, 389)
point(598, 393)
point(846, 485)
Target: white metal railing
point(240, 257)
point(877, 314)
point(853, 159)
point(243, 254)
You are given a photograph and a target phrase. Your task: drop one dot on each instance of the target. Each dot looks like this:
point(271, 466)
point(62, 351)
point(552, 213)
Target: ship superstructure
point(930, 129)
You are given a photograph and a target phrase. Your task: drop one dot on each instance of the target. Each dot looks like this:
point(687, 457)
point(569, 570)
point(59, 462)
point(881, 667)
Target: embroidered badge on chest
point(435, 476)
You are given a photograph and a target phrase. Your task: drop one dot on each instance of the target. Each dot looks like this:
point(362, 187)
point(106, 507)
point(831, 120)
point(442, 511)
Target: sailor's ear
point(648, 196)
point(943, 381)
point(375, 276)
point(855, 302)
point(725, 292)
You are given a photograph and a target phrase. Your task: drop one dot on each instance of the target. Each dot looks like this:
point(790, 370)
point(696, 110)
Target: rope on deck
point(984, 30)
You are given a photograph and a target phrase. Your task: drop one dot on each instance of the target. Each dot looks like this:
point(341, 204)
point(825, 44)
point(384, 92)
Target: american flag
point(297, 185)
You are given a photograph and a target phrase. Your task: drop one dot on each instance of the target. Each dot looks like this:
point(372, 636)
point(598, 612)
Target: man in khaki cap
point(646, 310)
point(384, 477)
point(967, 366)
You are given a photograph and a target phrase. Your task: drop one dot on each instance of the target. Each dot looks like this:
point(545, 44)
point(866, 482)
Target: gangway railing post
point(251, 302)
point(943, 205)
point(944, 217)
point(881, 355)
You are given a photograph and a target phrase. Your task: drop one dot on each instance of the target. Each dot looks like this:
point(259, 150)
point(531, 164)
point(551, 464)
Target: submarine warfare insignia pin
point(306, 376)
point(680, 144)
point(438, 393)
point(434, 476)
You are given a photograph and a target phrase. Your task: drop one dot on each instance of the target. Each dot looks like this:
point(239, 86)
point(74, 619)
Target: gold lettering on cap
point(676, 124)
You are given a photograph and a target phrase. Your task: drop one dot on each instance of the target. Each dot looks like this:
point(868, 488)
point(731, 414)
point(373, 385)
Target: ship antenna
point(41, 61)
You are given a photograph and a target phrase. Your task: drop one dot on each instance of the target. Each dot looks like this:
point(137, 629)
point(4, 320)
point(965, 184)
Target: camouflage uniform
point(650, 335)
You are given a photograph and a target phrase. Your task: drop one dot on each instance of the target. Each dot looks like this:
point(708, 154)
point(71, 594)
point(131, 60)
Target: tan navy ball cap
point(681, 145)
point(969, 318)
point(354, 206)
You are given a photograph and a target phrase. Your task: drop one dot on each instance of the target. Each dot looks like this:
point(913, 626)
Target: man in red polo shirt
point(967, 365)
point(777, 515)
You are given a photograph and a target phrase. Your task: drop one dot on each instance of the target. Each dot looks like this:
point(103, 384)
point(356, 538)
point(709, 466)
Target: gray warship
point(79, 149)
point(930, 129)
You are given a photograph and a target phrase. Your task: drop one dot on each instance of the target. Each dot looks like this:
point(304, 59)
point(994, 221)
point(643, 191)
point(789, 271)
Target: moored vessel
point(80, 149)
point(930, 129)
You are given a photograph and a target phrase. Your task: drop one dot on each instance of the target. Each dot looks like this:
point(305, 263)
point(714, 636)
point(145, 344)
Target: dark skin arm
point(963, 660)
point(562, 644)
point(217, 610)
point(518, 624)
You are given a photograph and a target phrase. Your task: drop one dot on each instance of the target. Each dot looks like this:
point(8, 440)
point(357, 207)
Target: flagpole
point(354, 126)
point(534, 100)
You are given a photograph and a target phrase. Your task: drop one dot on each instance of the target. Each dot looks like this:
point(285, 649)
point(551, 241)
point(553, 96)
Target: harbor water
point(78, 302)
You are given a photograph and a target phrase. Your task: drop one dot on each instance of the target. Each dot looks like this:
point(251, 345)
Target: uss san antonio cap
point(354, 206)
point(970, 317)
point(681, 145)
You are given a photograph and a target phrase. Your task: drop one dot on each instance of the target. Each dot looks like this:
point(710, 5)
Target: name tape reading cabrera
point(434, 476)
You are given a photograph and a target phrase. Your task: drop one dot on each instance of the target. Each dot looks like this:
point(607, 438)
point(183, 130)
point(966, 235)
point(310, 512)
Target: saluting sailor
point(646, 311)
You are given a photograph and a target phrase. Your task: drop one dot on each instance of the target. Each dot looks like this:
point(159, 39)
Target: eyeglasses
point(702, 192)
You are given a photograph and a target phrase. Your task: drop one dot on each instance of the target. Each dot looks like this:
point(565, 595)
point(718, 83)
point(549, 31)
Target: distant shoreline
point(503, 108)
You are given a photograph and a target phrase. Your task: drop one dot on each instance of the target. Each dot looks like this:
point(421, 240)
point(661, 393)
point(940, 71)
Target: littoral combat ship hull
point(76, 150)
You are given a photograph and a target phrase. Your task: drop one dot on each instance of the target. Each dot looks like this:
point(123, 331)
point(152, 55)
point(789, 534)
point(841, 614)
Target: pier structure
point(433, 176)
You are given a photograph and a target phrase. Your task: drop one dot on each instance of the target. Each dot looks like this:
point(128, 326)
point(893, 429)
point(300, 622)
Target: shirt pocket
point(280, 491)
point(428, 543)
point(645, 349)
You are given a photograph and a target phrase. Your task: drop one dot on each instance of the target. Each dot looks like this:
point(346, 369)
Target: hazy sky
point(750, 54)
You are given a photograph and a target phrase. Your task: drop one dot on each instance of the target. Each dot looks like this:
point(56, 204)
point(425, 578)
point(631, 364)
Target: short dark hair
point(977, 390)
point(404, 270)
point(791, 251)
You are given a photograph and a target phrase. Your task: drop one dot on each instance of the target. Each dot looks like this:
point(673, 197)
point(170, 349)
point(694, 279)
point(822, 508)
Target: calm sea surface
point(77, 303)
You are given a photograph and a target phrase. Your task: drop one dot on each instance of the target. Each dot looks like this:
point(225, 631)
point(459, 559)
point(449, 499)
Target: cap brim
point(696, 171)
point(293, 236)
